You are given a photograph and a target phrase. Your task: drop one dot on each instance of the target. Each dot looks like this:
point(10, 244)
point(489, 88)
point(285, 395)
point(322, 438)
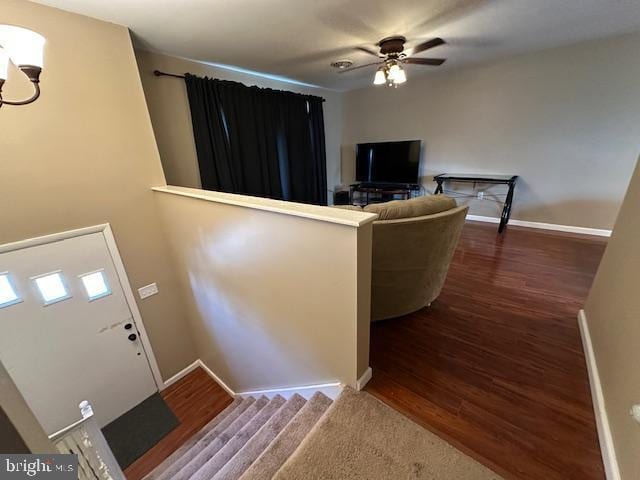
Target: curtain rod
point(158, 73)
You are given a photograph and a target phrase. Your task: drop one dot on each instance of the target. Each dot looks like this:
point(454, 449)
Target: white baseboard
point(215, 377)
point(331, 390)
point(364, 379)
point(544, 226)
point(188, 369)
point(602, 421)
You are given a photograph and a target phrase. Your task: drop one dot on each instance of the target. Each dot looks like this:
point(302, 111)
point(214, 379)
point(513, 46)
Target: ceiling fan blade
point(434, 42)
point(369, 51)
point(424, 61)
point(358, 67)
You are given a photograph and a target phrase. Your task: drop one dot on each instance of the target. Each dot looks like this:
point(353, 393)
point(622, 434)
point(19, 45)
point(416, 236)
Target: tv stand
point(365, 193)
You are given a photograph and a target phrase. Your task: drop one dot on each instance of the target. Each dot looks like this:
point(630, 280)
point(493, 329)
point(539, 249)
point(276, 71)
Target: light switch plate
point(148, 290)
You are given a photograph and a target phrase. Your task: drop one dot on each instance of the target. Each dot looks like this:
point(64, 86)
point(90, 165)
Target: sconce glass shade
point(24, 46)
point(380, 78)
point(4, 64)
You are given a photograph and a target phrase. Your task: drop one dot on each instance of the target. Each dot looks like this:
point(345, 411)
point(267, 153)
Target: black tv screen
point(388, 162)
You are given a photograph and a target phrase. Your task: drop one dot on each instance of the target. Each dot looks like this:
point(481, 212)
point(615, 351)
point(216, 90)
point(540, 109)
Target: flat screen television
point(388, 162)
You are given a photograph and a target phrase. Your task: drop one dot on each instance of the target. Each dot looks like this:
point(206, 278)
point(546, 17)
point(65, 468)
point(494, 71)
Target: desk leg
point(506, 209)
point(438, 187)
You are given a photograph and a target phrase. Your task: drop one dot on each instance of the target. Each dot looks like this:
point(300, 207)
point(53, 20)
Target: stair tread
point(203, 441)
point(281, 448)
point(157, 471)
point(219, 441)
point(257, 444)
point(235, 444)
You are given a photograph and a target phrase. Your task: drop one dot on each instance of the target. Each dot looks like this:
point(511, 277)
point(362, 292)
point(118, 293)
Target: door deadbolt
point(132, 337)
point(128, 326)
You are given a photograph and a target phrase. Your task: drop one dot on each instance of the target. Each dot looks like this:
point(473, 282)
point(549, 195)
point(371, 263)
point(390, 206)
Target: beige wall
point(566, 120)
point(169, 108)
point(19, 415)
point(276, 300)
point(85, 154)
point(613, 316)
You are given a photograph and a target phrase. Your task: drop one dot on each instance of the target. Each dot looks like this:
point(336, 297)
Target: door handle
point(128, 326)
point(132, 337)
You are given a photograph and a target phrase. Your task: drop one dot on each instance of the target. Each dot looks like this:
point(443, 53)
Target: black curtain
point(258, 141)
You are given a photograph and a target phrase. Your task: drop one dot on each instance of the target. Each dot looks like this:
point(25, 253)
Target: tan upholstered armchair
point(413, 244)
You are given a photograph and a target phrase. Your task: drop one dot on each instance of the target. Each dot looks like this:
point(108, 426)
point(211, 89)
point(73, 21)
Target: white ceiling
point(299, 38)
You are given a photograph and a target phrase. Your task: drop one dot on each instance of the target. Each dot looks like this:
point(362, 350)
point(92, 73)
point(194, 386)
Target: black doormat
point(135, 432)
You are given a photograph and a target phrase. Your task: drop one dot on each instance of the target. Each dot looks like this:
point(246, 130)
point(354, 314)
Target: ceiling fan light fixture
point(392, 57)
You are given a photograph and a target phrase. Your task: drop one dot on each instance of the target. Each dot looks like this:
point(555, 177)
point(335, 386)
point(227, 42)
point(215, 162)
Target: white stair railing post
point(84, 438)
point(98, 446)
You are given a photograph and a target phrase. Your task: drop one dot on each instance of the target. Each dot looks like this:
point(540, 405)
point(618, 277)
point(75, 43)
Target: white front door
point(67, 333)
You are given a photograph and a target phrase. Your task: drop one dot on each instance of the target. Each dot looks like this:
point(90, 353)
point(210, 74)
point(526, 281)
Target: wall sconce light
point(24, 48)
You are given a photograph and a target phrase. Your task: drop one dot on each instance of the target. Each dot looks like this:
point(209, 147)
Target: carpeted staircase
point(251, 439)
point(355, 437)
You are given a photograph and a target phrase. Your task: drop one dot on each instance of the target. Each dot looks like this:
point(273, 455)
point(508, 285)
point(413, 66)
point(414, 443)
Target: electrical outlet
point(148, 290)
point(480, 195)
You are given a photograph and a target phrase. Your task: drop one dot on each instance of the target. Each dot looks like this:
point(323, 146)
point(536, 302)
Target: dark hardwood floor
point(495, 365)
point(195, 399)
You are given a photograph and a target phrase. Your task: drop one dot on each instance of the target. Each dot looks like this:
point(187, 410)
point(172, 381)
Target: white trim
point(185, 371)
point(602, 420)
point(329, 389)
point(133, 306)
point(544, 226)
point(364, 379)
point(216, 378)
point(315, 212)
point(110, 241)
point(54, 237)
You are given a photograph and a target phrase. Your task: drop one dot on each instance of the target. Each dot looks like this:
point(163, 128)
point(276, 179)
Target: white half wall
point(278, 292)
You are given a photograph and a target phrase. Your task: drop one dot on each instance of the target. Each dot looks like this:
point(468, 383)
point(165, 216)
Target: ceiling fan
point(392, 56)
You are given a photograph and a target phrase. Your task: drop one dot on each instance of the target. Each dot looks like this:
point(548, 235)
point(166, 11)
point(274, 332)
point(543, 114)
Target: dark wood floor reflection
point(195, 399)
point(496, 365)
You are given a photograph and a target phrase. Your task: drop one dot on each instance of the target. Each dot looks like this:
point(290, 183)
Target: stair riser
point(235, 444)
point(204, 455)
point(201, 444)
point(261, 440)
point(250, 440)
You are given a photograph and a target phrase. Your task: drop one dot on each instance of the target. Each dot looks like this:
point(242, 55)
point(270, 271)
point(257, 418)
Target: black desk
point(509, 180)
